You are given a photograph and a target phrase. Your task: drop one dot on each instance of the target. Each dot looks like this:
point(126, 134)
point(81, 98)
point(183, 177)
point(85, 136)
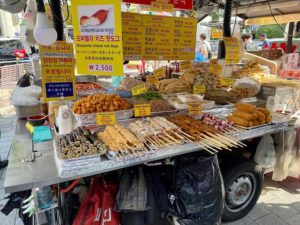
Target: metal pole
point(290, 38)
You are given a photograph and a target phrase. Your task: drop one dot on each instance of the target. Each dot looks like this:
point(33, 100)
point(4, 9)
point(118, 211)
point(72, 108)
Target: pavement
point(279, 203)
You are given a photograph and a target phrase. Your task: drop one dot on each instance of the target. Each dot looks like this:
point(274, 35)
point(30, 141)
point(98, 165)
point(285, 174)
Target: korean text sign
point(58, 78)
point(233, 50)
point(178, 4)
point(151, 37)
point(98, 37)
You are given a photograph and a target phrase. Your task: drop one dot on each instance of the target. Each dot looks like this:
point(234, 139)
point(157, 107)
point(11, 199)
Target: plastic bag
point(25, 80)
point(251, 85)
point(97, 206)
point(198, 190)
point(265, 152)
point(286, 153)
point(26, 96)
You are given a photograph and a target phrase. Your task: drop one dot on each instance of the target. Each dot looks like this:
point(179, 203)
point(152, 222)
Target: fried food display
point(247, 115)
point(100, 103)
point(173, 86)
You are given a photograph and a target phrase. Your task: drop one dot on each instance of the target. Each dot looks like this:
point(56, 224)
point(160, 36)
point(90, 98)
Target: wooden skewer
point(223, 139)
point(207, 146)
point(202, 139)
point(221, 145)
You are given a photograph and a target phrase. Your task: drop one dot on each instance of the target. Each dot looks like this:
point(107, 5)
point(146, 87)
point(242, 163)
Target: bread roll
point(245, 107)
point(264, 111)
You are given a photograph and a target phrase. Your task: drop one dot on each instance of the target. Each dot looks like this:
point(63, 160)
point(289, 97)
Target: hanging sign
point(195, 109)
point(184, 65)
point(151, 37)
point(233, 50)
point(106, 118)
point(199, 89)
point(58, 78)
point(216, 33)
point(270, 19)
point(98, 37)
point(177, 4)
point(293, 59)
point(141, 110)
point(159, 73)
point(139, 89)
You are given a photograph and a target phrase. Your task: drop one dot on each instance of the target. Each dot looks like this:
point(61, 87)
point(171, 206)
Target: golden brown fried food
point(245, 107)
point(243, 115)
point(239, 121)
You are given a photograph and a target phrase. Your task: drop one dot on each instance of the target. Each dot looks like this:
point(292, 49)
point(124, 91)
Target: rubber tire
point(230, 173)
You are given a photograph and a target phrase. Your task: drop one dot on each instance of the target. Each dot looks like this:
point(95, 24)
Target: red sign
point(178, 4)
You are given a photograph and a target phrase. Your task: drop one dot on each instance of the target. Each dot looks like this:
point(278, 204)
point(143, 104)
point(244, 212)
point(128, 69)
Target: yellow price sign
point(141, 110)
point(199, 89)
point(162, 6)
point(151, 79)
point(232, 50)
point(215, 68)
point(106, 118)
point(184, 65)
point(227, 82)
point(195, 109)
point(159, 73)
point(139, 89)
point(216, 33)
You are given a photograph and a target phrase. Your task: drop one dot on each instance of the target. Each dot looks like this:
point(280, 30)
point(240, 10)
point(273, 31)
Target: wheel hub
point(239, 192)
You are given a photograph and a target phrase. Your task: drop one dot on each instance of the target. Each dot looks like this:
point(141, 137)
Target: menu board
point(232, 49)
point(158, 37)
point(98, 37)
point(58, 80)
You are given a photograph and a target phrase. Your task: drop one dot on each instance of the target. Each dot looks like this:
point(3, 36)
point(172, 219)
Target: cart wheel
point(243, 185)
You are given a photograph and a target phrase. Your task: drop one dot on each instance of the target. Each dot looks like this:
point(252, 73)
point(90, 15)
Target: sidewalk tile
point(281, 208)
point(270, 220)
point(294, 220)
point(9, 219)
point(259, 211)
point(244, 221)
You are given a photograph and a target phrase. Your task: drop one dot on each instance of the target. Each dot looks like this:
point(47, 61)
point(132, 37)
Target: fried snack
point(255, 116)
point(255, 123)
point(239, 121)
point(251, 123)
point(100, 103)
point(245, 107)
point(261, 116)
point(243, 115)
point(269, 119)
point(264, 111)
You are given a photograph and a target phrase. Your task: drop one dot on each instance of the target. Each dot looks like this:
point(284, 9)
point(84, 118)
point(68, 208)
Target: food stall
point(92, 153)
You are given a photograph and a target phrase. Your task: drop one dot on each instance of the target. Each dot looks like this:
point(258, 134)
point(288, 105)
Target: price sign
point(232, 49)
point(106, 118)
point(199, 89)
point(151, 79)
point(216, 33)
point(162, 5)
point(160, 73)
point(227, 82)
point(195, 109)
point(215, 68)
point(184, 65)
point(139, 89)
point(141, 110)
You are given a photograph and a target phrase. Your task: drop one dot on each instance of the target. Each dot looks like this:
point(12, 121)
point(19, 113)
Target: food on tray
point(209, 137)
point(121, 140)
point(128, 83)
point(189, 98)
point(96, 19)
point(157, 105)
point(158, 132)
point(173, 86)
point(87, 86)
point(221, 96)
point(100, 103)
point(201, 76)
point(246, 87)
point(251, 68)
point(247, 115)
point(80, 142)
point(217, 123)
point(150, 95)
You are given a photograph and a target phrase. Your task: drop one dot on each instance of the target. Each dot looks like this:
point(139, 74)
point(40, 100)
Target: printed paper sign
point(215, 69)
point(106, 118)
point(159, 73)
point(227, 82)
point(184, 65)
point(152, 80)
point(195, 109)
point(98, 37)
point(141, 110)
point(178, 4)
point(216, 33)
point(232, 49)
point(58, 78)
point(139, 89)
point(199, 89)
point(293, 59)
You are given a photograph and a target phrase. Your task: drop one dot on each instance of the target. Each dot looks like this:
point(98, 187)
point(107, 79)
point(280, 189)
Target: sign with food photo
point(98, 37)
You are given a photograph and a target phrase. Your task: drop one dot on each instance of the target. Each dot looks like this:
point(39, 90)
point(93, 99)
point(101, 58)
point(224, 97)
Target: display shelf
point(22, 175)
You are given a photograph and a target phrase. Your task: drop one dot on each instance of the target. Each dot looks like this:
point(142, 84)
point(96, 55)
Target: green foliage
point(272, 31)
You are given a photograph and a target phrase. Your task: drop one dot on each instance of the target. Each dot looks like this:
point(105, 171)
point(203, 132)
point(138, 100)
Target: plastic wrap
point(26, 96)
point(198, 190)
